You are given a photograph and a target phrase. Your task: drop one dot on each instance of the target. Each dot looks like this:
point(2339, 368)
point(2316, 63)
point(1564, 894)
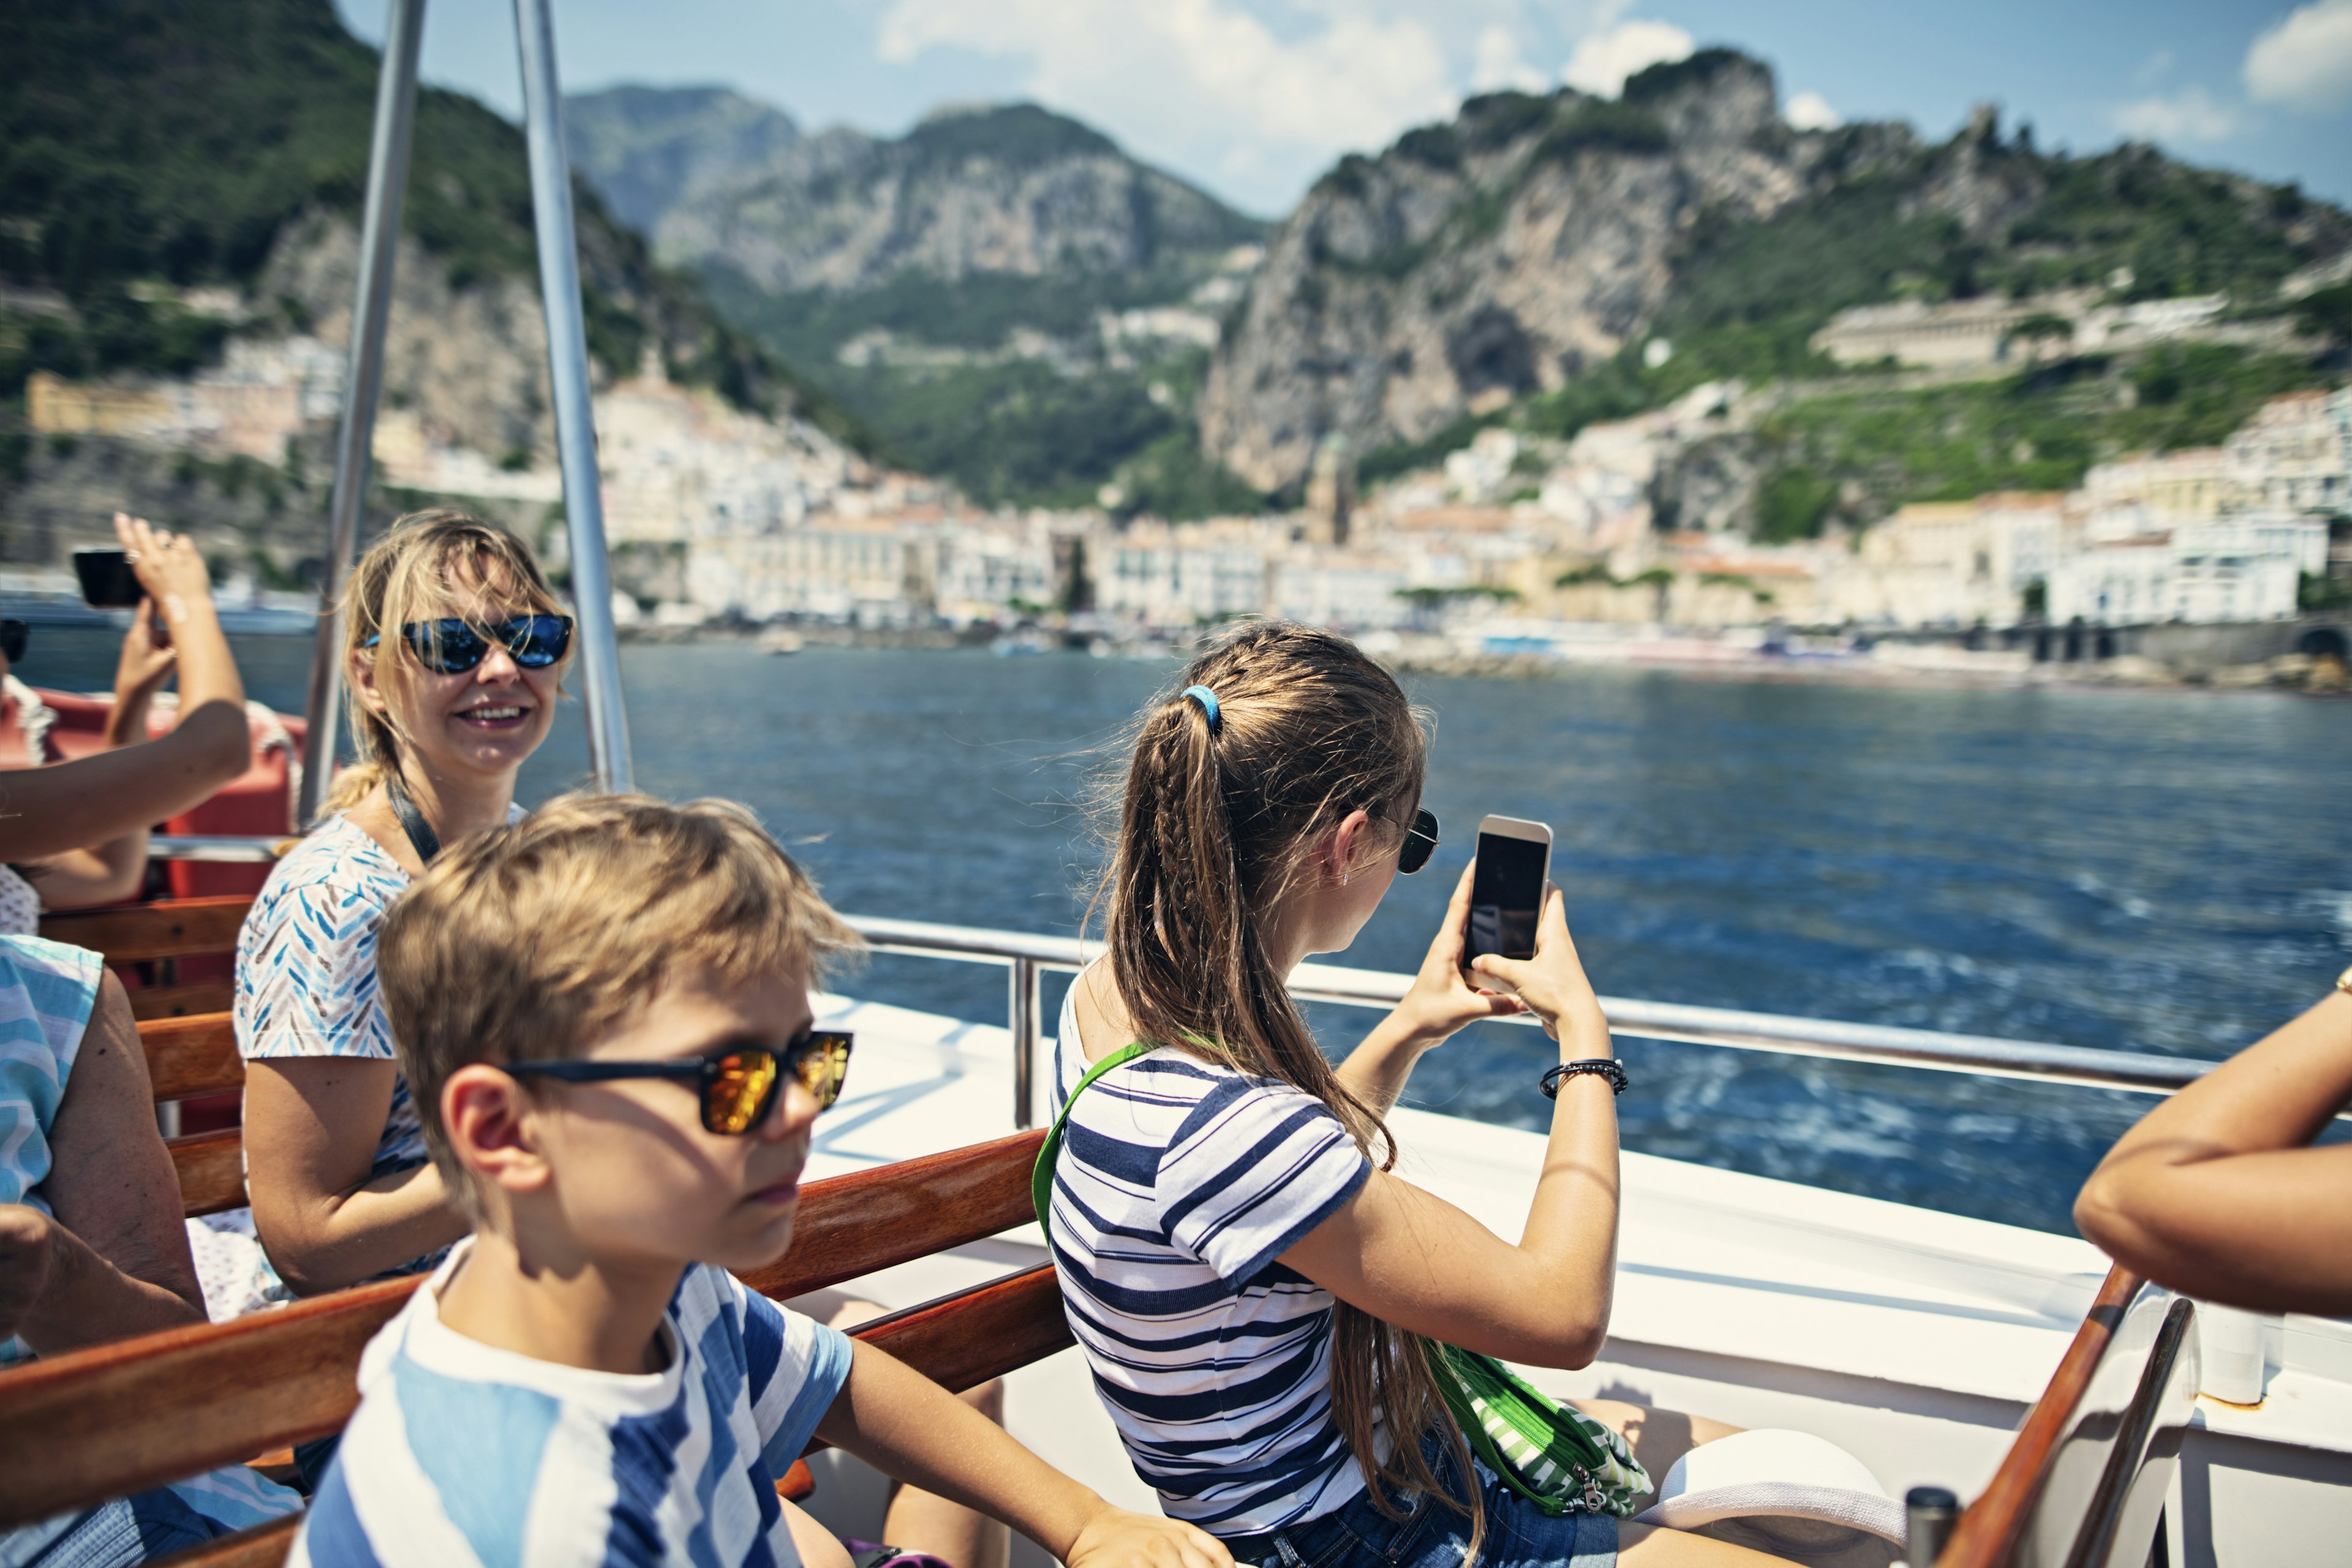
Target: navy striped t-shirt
point(1180, 1185)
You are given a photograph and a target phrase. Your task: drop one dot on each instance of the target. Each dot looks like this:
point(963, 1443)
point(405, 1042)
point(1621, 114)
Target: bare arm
point(909, 1427)
point(311, 1126)
point(1440, 1005)
point(2215, 1192)
point(1410, 1258)
point(114, 1261)
point(96, 799)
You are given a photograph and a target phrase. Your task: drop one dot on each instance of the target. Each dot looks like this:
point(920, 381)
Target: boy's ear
point(482, 1115)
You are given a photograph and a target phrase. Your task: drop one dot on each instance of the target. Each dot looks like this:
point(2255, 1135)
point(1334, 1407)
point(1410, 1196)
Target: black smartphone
point(14, 635)
point(107, 581)
point(1507, 890)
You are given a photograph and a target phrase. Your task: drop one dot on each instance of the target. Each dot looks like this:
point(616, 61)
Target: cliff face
point(1478, 261)
point(1011, 190)
point(1526, 244)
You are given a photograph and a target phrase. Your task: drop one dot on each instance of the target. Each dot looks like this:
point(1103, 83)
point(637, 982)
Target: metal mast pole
point(567, 364)
point(395, 117)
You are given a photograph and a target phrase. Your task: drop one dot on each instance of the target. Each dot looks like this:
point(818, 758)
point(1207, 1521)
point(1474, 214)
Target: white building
point(984, 569)
point(876, 572)
point(1345, 590)
point(1481, 473)
point(1956, 563)
point(2115, 582)
point(679, 463)
point(2246, 567)
point(2153, 492)
point(1180, 576)
point(2295, 454)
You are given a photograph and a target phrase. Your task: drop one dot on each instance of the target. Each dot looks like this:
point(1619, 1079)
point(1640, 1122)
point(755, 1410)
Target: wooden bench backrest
point(2082, 1484)
point(115, 1419)
point(141, 934)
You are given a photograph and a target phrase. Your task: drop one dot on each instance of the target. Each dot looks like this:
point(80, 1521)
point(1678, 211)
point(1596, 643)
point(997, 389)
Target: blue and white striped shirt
point(464, 1455)
point(1180, 1185)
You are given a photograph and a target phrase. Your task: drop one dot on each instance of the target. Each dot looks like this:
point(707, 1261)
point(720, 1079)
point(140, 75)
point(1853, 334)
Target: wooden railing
point(116, 1419)
point(2022, 1517)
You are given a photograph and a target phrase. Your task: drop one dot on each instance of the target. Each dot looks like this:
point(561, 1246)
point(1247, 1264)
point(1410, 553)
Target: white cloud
point(2305, 61)
point(2191, 114)
point(1190, 78)
point(1812, 111)
point(1496, 62)
point(1604, 59)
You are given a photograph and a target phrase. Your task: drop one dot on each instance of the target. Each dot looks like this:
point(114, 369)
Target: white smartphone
point(1507, 891)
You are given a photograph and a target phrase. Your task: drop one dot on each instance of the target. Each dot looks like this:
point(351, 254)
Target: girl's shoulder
point(1164, 1076)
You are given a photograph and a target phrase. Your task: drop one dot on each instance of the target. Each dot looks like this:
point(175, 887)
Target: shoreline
point(2292, 675)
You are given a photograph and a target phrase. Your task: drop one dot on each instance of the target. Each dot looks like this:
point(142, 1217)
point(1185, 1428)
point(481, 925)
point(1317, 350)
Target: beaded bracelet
point(1602, 1065)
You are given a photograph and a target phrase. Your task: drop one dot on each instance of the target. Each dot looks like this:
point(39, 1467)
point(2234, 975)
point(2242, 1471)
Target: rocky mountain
point(644, 147)
point(1010, 189)
point(1002, 295)
point(1565, 246)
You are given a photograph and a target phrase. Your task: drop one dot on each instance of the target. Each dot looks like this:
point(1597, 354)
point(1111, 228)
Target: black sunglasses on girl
point(451, 647)
point(738, 1087)
point(1420, 842)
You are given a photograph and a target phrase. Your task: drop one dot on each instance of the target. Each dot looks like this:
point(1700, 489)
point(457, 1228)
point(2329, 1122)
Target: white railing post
point(1022, 1014)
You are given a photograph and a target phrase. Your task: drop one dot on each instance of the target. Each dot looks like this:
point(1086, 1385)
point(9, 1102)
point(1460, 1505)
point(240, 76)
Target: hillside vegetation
point(147, 148)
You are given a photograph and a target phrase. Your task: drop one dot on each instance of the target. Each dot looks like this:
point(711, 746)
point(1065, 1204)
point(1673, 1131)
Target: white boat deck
point(1914, 1339)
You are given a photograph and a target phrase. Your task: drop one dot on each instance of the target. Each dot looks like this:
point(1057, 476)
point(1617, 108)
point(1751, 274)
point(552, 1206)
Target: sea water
point(2154, 871)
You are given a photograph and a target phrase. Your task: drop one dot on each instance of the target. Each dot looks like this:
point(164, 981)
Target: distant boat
point(781, 640)
point(1011, 643)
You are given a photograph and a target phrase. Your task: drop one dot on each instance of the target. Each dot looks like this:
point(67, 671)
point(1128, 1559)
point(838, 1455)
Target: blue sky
point(1253, 98)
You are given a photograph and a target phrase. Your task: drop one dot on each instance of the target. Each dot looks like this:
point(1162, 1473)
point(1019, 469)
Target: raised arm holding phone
point(97, 801)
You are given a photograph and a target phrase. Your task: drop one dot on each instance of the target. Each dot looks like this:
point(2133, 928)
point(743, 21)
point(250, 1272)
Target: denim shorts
point(1430, 1535)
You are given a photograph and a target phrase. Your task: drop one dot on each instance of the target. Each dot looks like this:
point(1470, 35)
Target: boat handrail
point(1029, 956)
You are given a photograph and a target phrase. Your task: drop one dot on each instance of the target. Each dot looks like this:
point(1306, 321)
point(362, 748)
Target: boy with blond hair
point(603, 1012)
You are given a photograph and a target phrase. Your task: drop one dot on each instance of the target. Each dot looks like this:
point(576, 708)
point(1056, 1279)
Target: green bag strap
point(1041, 1175)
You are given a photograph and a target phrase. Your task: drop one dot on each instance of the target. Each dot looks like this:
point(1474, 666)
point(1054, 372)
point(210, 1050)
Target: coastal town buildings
point(722, 514)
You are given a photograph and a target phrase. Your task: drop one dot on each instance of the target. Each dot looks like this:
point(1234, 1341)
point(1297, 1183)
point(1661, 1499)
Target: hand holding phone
point(1507, 889)
point(108, 583)
point(1552, 984)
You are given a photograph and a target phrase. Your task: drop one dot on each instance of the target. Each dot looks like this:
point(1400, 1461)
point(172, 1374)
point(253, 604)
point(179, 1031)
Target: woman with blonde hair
point(1258, 1295)
point(454, 654)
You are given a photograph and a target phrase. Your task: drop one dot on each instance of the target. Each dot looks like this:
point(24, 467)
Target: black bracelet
point(1601, 1066)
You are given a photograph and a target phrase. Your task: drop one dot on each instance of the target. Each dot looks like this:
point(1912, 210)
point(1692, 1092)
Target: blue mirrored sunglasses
point(451, 647)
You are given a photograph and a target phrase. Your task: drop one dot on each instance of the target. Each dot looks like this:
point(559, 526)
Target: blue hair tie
point(1208, 702)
